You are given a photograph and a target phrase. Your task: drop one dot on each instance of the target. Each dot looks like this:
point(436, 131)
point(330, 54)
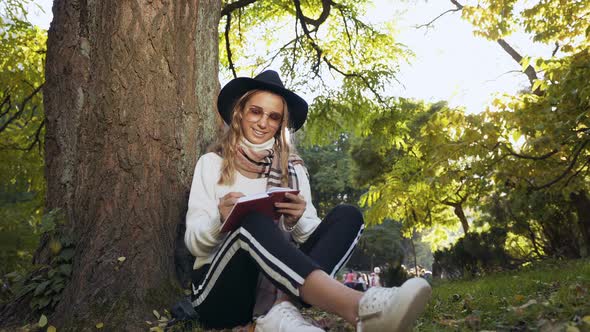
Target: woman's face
point(262, 116)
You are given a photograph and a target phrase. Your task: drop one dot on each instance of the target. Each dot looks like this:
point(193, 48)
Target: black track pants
point(224, 292)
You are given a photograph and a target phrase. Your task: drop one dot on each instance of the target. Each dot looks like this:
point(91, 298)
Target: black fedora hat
point(268, 80)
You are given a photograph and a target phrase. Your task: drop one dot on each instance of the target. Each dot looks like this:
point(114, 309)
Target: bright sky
point(451, 64)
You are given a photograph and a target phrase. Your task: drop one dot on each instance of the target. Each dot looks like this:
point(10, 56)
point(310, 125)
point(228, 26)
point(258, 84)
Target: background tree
point(329, 168)
point(22, 185)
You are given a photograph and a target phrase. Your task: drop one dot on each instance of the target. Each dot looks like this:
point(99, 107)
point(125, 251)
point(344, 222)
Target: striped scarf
point(258, 161)
point(263, 164)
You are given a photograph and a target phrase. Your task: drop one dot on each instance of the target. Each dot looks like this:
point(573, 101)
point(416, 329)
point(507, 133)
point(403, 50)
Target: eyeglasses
point(255, 114)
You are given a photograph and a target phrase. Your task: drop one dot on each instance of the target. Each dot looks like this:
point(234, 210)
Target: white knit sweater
point(202, 235)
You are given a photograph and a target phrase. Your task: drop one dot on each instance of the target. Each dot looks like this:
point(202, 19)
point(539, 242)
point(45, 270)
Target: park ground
point(552, 295)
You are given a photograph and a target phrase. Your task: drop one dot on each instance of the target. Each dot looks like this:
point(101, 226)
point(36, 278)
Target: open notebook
point(262, 202)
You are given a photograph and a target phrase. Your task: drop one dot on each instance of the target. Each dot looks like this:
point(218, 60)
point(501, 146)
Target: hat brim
point(237, 87)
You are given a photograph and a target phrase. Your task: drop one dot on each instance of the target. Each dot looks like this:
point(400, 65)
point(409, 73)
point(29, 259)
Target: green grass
point(545, 296)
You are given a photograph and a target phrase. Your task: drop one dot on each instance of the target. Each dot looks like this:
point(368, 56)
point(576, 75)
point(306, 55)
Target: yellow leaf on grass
point(157, 314)
point(518, 298)
point(121, 259)
point(99, 325)
point(51, 328)
point(42, 321)
point(571, 328)
point(586, 319)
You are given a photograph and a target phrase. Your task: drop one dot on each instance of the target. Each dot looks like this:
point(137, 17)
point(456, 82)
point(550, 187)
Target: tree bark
point(581, 203)
point(458, 208)
point(130, 106)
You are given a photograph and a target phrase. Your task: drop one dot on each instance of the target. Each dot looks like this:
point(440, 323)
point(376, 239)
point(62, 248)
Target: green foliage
point(383, 244)
point(330, 175)
point(336, 49)
point(22, 183)
point(549, 21)
point(428, 165)
point(45, 284)
point(412, 157)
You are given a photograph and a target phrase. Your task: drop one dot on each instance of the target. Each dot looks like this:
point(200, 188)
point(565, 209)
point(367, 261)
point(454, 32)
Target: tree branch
point(326, 7)
point(523, 156)
point(427, 25)
point(21, 108)
point(230, 7)
point(320, 52)
point(6, 102)
point(227, 46)
point(566, 171)
point(529, 70)
point(37, 137)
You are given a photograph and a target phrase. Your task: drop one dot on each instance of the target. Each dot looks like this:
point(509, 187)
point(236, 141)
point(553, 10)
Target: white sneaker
point(393, 309)
point(284, 317)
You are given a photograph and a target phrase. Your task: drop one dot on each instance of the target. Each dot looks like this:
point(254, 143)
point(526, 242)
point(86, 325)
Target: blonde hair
point(227, 146)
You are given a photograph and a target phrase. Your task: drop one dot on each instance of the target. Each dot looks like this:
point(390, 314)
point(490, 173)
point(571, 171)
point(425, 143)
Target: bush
point(474, 254)
point(394, 275)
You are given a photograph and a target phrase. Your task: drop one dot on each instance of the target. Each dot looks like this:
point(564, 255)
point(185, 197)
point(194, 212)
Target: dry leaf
point(99, 325)
point(121, 259)
point(51, 328)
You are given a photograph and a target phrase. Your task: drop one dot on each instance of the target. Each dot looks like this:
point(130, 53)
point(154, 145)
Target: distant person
point(361, 284)
point(350, 279)
point(375, 279)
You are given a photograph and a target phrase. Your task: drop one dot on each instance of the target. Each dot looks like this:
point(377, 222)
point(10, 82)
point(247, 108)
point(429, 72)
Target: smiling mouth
point(258, 133)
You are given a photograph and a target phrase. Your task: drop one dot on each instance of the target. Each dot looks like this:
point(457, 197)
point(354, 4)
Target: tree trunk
point(414, 254)
point(130, 106)
point(458, 209)
point(581, 203)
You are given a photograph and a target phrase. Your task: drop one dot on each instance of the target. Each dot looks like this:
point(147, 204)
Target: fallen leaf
point(518, 298)
point(99, 325)
point(526, 305)
point(51, 328)
point(571, 328)
point(42, 321)
point(157, 314)
point(586, 319)
point(121, 259)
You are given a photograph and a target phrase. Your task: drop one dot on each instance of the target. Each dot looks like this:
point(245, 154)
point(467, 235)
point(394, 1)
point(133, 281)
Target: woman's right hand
point(227, 202)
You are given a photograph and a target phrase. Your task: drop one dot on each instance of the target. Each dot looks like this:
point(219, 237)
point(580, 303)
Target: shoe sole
point(416, 293)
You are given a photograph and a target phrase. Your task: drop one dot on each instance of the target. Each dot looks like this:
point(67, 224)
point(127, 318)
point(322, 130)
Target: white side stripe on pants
point(346, 257)
point(225, 254)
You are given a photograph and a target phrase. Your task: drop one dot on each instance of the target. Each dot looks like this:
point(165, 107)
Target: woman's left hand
point(293, 209)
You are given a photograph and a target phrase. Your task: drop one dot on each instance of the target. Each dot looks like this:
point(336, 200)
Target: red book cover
point(263, 203)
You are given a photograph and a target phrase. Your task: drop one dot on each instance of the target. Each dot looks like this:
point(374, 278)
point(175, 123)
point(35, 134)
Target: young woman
point(297, 255)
